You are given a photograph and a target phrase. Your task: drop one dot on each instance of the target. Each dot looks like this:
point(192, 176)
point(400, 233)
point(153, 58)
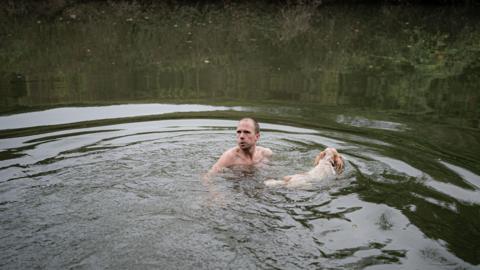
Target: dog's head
point(333, 157)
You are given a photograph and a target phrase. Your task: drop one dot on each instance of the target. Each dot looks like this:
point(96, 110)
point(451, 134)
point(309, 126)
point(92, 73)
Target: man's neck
point(248, 153)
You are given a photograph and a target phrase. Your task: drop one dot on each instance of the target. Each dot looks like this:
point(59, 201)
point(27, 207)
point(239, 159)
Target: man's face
point(246, 136)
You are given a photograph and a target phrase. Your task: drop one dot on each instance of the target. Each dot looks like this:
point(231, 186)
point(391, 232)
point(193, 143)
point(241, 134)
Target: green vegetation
point(409, 59)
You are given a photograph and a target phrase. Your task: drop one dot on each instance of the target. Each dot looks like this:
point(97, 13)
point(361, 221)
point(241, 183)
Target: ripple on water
point(131, 195)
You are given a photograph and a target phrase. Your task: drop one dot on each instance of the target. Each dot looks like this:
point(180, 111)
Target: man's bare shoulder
point(229, 157)
point(230, 153)
point(265, 151)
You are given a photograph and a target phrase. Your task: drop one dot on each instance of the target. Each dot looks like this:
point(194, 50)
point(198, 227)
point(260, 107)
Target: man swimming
point(246, 153)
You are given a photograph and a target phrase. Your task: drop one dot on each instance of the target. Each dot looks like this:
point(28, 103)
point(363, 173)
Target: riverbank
point(399, 58)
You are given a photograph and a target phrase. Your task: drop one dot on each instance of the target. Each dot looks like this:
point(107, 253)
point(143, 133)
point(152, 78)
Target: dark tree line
point(51, 8)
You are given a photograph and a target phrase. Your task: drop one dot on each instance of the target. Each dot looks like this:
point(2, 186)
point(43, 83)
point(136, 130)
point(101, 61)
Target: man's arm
point(225, 160)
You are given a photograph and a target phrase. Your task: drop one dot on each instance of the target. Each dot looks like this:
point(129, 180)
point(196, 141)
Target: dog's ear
point(319, 157)
point(338, 164)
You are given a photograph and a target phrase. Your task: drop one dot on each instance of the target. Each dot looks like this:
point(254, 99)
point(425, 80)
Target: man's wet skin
point(246, 153)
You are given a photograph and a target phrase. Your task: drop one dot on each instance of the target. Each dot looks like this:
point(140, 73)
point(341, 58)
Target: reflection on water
point(388, 58)
point(368, 123)
point(394, 88)
point(466, 175)
point(101, 196)
point(80, 114)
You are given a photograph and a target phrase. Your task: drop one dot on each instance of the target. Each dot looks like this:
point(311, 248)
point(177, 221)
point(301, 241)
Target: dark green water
point(111, 114)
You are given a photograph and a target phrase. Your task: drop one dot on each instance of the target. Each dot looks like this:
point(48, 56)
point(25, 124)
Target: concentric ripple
point(131, 196)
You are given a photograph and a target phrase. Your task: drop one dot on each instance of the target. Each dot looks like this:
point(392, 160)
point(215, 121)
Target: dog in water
point(328, 164)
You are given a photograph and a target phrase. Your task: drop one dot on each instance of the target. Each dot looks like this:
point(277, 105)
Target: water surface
point(131, 195)
point(111, 116)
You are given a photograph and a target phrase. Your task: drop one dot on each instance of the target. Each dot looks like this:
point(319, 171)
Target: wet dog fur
point(328, 164)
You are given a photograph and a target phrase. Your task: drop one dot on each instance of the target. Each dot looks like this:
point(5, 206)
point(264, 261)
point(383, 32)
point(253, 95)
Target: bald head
point(254, 122)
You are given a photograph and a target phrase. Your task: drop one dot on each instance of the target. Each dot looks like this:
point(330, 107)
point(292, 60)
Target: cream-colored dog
point(328, 164)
